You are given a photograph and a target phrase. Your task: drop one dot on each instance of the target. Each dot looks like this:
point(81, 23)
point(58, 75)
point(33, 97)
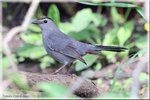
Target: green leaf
point(76, 24)
point(52, 89)
point(116, 17)
point(19, 80)
point(31, 51)
point(88, 33)
point(110, 37)
point(111, 4)
point(128, 81)
point(90, 59)
point(46, 62)
point(110, 56)
point(98, 66)
point(124, 54)
point(32, 38)
point(34, 28)
point(123, 65)
point(76, 28)
point(66, 27)
point(80, 22)
point(116, 4)
point(125, 32)
point(39, 13)
point(95, 34)
point(82, 35)
point(6, 63)
point(140, 11)
point(103, 20)
point(140, 43)
point(53, 12)
point(143, 76)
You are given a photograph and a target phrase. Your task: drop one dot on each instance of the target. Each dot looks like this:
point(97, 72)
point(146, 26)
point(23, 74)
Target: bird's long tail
point(110, 48)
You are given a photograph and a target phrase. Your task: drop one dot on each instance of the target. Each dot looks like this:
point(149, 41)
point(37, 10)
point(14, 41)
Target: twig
point(14, 32)
point(25, 23)
point(18, 29)
point(0, 39)
point(125, 72)
point(0, 48)
point(135, 76)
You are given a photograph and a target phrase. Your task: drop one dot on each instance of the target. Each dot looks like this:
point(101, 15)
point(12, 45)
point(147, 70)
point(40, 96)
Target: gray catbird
point(64, 48)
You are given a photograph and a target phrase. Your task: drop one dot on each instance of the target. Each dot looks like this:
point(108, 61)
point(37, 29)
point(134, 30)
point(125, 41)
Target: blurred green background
point(115, 25)
point(86, 24)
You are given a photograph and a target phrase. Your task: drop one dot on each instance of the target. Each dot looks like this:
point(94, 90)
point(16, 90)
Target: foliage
point(90, 59)
point(83, 29)
point(117, 4)
point(51, 90)
point(80, 22)
point(19, 81)
point(123, 65)
point(34, 53)
point(125, 32)
point(6, 63)
point(89, 29)
point(53, 13)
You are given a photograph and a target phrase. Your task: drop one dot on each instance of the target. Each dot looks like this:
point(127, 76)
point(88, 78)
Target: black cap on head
point(40, 22)
point(45, 17)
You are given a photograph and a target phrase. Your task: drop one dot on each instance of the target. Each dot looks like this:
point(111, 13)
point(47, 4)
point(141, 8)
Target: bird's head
point(45, 23)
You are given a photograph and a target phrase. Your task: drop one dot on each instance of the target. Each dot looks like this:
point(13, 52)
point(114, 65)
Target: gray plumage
point(64, 48)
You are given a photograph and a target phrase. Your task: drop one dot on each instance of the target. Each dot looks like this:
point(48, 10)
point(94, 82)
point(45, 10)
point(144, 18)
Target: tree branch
point(86, 88)
point(18, 29)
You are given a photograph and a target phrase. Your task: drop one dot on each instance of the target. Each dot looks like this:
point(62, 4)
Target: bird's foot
point(56, 72)
point(61, 72)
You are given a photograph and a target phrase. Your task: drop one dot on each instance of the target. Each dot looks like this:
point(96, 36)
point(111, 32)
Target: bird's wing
point(66, 48)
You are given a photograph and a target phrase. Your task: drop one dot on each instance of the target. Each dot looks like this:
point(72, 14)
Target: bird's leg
point(68, 67)
point(63, 66)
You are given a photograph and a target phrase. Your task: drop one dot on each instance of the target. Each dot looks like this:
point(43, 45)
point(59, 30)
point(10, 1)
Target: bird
point(65, 49)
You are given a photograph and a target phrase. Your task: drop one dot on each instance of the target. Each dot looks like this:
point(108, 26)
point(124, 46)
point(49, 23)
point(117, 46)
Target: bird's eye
point(45, 21)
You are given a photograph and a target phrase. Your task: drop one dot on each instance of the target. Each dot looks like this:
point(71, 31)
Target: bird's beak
point(36, 22)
